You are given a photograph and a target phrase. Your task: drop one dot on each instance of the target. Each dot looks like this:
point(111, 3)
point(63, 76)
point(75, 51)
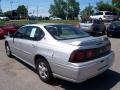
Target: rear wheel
point(8, 51)
point(103, 32)
point(108, 34)
point(44, 70)
point(100, 19)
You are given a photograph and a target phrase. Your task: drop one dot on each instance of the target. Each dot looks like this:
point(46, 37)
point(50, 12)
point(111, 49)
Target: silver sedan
point(60, 50)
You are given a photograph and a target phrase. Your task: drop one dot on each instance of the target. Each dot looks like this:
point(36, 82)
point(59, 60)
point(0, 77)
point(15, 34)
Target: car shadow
point(2, 38)
point(105, 81)
point(116, 37)
point(102, 82)
point(97, 35)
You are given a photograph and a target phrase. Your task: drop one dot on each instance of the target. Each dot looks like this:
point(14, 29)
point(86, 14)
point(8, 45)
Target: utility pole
point(27, 13)
point(37, 11)
point(67, 10)
point(89, 7)
point(0, 7)
point(11, 3)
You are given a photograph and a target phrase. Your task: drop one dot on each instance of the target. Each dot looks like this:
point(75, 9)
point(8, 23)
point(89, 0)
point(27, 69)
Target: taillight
point(93, 27)
point(77, 56)
point(88, 54)
point(77, 25)
point(108, 47)
point(81, 55)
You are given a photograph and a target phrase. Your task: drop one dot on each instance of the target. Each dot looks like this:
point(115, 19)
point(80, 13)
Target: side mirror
point(11, 34)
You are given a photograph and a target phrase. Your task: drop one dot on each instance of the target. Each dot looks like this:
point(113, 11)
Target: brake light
point(81, 55)
point(78, 56)
point(77, 25)
point(93, 27)
point(89, 53)
point(108, 47)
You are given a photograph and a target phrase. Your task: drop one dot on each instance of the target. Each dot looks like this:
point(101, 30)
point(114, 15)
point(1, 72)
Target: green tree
point(73, 9)
point(87, 11)
point(64, 8)
point(22, 11)
point(8, 13)
point(57, 9)
point(102, 6)
point(116, 3)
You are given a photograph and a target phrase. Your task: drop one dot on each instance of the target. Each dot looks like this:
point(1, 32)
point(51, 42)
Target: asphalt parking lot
point(16, 75)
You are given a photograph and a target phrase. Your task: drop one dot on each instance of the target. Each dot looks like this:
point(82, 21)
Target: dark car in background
point(10, 28)
point(115, 16)
point(114, 29)
point(2, 33)
point(93, 26)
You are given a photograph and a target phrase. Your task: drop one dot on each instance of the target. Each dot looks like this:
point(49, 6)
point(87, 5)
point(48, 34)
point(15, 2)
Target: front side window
point(65, 32)
point(21, 33)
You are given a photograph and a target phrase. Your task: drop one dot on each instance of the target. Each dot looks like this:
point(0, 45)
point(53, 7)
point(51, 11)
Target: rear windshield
point(95, 21)
point(65, 32)
point(98, 13)
point(108, 13)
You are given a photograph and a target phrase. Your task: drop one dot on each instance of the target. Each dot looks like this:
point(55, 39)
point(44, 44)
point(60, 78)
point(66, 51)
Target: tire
point(8, 51)
point(108, 35)
point(100, 19)
point(44, 70)
point(103, 33)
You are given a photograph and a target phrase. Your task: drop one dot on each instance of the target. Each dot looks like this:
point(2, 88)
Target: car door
point(16, 42)
point(28, 44)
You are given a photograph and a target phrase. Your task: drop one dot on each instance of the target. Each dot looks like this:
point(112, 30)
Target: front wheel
point(44, 70)
point(8, 51)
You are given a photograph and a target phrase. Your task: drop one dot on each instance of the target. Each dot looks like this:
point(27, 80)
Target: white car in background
point(103, 16)
point(4, 18)
point(55, 18)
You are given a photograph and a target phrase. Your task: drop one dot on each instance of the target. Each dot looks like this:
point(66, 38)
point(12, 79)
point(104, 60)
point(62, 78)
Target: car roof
point(104, 11)
point(45, 24)
point(115, 22)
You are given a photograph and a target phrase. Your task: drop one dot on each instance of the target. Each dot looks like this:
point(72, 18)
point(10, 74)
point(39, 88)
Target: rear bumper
point(114, 33)
point(107, 19)
point(80, 72)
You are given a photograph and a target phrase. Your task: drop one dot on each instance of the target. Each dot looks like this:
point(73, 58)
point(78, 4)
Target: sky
point(42, 5)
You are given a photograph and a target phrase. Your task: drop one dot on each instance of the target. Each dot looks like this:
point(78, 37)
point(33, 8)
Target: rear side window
point(34, 33)
point(108, 13)
point(99, 13)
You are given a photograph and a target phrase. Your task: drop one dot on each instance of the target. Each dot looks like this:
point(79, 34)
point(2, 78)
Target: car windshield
point(65, 32)
point(95, 21)
point(117, 24)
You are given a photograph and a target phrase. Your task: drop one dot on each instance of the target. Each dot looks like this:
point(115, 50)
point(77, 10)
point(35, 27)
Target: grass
point(23, 22)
